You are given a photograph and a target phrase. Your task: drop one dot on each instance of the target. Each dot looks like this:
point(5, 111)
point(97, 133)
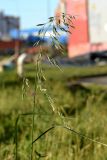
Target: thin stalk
point(33, 111)
point(16, 141)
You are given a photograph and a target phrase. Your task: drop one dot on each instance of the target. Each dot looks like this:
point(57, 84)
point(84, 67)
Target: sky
point(31, 12)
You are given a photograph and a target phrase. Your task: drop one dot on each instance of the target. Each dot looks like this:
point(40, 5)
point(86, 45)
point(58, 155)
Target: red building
point(90, 33)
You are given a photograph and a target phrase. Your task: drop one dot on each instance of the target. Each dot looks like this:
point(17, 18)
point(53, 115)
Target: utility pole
point(48, 8)
point(17, 42)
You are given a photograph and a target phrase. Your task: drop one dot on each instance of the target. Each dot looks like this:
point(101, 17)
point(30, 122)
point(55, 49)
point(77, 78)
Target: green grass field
point(83, 109)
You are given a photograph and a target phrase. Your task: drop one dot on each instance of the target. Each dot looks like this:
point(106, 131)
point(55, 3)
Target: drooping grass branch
point(71, 130)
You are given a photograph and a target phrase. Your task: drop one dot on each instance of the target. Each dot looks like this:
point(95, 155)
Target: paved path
point(102, 80)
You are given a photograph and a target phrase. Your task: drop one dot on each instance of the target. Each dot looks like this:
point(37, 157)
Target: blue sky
point(31, 12)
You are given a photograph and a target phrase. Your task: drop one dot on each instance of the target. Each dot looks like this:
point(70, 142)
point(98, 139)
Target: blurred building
point(61, 8)
point(7, 23)
point(90, 33)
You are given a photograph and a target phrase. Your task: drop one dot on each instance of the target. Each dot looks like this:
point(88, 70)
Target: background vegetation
point(84, 106)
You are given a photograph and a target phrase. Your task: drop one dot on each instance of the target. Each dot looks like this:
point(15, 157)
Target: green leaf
point(40, 24)
point(51, 18)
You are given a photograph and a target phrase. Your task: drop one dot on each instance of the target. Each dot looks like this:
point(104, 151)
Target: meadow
point(82, 107)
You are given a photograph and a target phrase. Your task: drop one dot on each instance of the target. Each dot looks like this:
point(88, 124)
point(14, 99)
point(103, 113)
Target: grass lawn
point(83, 108)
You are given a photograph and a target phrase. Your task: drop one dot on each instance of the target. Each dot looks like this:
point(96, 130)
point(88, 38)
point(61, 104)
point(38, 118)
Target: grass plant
point(67, 126)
